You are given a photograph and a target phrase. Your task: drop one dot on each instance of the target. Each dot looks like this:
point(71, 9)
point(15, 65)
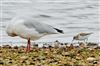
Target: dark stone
point(55, 61)
point(10, 59)
point(51, 62)
point(0, 51)
point(20, 52)
point(67, 65)
point(7, 46)
point(95, 62)
point(32, 63)
point(43, 59)
point(32, 58)
point(50, 46)
point(1, 63)
point(35, 45)
point(10, 62)
point(38, 59)
point(38, 65)
point(98, 48)
point(92, 44)
point(23, 62)
point(66, 43)
point(15, 47)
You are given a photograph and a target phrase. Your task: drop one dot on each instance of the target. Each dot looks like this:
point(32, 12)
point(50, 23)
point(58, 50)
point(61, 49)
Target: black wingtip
point(58, 30)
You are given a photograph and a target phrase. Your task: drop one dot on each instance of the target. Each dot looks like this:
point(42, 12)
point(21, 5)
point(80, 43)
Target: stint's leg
point(86, 40)
point(72, 41)
point(78, 42)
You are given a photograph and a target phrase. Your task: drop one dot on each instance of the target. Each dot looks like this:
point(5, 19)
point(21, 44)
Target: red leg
point(27, 48)
point(28, 45)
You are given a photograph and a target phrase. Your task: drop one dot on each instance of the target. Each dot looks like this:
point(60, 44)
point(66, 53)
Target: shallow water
point(72, 16)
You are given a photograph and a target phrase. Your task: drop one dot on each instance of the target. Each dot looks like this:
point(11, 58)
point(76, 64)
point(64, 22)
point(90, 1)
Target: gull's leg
point(28, 45)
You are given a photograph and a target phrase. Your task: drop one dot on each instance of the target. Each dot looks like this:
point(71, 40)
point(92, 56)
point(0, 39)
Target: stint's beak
point(72, 41)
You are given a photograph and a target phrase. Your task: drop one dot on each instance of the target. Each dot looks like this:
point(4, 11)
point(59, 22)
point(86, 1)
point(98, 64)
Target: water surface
point(72, 16)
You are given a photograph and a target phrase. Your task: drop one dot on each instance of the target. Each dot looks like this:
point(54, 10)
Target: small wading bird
point(82, 37)
point(29, 29)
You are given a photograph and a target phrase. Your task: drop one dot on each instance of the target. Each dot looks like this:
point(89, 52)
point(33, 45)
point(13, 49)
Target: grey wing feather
point(40, 27)
point(84, 34)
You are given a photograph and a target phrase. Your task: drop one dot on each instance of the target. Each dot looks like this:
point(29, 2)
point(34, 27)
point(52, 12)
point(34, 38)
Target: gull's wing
point(41, 27)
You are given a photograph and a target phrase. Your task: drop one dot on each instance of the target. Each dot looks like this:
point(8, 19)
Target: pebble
point(91, 59)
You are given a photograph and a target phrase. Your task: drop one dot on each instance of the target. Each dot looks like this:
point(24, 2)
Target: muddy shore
point(51, 56)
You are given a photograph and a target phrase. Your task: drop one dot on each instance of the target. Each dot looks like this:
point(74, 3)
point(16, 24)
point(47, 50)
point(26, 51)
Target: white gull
point(29, 29)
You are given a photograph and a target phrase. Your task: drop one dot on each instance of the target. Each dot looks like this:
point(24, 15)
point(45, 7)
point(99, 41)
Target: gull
point(82, 36)
point(30, 29)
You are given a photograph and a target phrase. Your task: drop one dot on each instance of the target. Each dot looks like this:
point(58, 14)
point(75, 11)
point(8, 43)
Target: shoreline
point(53, 44)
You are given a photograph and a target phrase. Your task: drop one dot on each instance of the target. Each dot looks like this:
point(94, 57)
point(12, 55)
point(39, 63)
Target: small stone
point(66, 53)
point(91, 59)
point(10, 62)
point(32, 63)
point(24, 57)
point(1, 59)
point(95, 62)
point(78, 58)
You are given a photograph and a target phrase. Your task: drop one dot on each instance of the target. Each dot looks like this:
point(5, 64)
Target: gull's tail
point(58, 30)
